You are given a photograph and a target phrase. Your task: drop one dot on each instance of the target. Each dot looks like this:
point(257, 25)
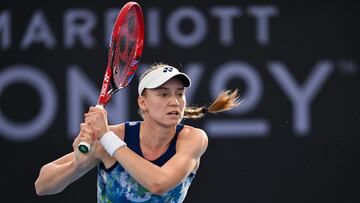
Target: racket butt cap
point(84, 147)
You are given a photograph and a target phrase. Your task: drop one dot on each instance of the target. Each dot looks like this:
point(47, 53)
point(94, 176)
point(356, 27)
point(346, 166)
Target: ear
point(141, 103)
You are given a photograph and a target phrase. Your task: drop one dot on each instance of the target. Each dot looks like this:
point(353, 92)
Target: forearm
point(154, 178)
point(54, 178)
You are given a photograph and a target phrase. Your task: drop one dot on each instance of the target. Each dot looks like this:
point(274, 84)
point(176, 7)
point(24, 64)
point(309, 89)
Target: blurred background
point(296, 64)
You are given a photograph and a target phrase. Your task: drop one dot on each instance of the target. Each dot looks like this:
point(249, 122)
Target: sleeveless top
point(116, 184)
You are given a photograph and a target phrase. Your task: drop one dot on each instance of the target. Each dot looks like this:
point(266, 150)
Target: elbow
point(39, 184)
point(159, 187)
point(38, 189)
point(157, 190)
point(42, 190)
point(42, 185)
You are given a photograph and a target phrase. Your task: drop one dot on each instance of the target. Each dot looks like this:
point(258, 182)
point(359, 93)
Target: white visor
point(159, 76)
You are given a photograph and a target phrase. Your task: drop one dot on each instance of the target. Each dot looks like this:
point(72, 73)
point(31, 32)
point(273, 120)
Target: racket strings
point(125, 49)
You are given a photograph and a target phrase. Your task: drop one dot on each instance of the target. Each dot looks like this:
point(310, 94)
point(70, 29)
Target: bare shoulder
point(194, 132)
point(118, 129)
point(196, 137)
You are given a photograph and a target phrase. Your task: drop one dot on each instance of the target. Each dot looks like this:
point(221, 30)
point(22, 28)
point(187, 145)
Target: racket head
point(125, 49)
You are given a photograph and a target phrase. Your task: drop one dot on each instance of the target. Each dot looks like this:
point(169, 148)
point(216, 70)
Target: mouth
point(175, 113)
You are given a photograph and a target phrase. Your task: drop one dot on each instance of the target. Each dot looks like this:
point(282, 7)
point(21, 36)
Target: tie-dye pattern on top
point(116, 184)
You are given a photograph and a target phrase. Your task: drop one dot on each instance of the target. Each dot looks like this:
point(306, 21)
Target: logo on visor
point(167, 69)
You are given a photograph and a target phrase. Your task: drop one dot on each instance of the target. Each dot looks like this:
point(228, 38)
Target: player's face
point(165, 104)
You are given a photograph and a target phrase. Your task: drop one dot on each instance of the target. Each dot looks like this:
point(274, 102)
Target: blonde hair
point(226, 100)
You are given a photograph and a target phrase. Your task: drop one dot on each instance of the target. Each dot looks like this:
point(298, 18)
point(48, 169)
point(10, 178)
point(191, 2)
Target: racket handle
point(100, 106)
point(84, 147)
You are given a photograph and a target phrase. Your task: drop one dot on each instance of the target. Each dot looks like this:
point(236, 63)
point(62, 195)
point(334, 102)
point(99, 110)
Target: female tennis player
point(154, 160)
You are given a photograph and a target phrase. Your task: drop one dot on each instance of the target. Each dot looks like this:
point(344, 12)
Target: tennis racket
point(125, 49)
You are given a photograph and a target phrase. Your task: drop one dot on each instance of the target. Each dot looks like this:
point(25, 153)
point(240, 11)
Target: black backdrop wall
point(294, 138)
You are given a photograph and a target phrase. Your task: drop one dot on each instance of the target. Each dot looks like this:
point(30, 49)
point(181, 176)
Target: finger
point(89, 120)
point(93, 109)
point(87, 131)
point(97, 134)
point(105, 112)
point(90, 130)
point(93, 118)
point(86, 138)
point(85, 134)
point(85, 126)
point(76, 142)
point(89, 114)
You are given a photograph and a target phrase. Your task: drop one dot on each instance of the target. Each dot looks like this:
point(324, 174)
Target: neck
point(154, 136)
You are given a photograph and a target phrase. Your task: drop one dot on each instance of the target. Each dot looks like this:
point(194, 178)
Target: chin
point(172, 122)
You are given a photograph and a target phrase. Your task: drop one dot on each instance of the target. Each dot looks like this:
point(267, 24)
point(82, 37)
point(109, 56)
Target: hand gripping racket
point(125, 49)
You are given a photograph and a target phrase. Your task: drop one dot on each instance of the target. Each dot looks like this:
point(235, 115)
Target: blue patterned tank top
point(116, 185)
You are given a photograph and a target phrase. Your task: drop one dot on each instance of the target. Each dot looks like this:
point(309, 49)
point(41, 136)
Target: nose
point(174, 101)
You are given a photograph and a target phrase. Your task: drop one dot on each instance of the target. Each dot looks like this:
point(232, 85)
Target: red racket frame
point(106, 93)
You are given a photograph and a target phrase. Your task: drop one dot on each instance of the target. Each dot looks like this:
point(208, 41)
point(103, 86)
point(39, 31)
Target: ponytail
point(226, 100)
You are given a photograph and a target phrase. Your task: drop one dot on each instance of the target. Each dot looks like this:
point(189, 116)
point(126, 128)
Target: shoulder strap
point(131, 136)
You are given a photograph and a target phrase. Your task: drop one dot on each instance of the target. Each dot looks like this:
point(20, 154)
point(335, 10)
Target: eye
point(163, 94)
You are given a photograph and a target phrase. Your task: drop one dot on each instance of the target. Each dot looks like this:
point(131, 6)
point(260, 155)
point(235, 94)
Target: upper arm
point(190, 147)
point(192, 144)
